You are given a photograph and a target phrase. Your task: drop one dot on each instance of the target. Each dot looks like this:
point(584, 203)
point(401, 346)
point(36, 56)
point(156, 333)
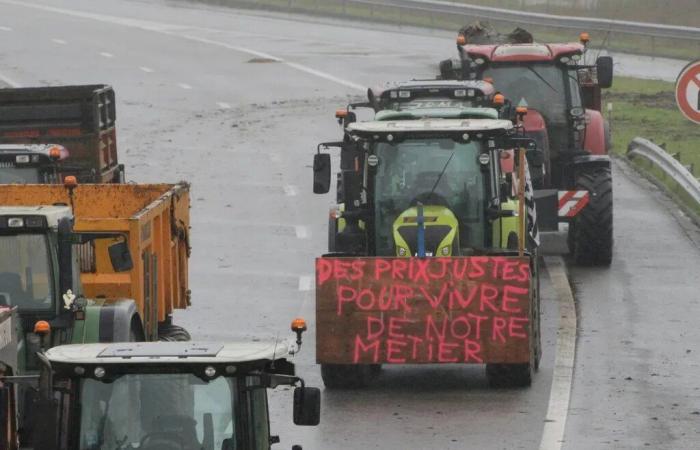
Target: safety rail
point(469, 11)
point(640, 147)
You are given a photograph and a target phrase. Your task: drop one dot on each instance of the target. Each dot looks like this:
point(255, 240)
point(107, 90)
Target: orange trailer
point(154, 220)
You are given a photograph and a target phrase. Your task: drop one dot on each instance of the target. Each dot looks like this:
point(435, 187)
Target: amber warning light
point(298, 326)
point(42, 327)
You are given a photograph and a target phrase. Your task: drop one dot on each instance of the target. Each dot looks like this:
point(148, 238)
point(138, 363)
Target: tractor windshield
point(23, 175)
point(541, 85)
point(25, 272)
point(158, 411)
point(412, 171)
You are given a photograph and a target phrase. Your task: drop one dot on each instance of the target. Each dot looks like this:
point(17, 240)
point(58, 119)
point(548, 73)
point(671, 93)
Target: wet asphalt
point(235, 103)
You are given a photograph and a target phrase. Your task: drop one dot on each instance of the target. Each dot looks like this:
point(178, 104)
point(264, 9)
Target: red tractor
point(563, 96)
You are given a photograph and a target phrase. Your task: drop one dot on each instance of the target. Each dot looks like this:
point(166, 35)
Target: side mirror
point(322, 173)
point(120, 257)
point(604, 65)
point(307, 406)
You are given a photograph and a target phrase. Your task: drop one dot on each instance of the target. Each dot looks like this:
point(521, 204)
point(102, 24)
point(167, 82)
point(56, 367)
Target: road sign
point(688, 91)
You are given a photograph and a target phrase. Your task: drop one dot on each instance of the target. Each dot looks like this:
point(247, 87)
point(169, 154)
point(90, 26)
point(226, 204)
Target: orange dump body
point(155, 220)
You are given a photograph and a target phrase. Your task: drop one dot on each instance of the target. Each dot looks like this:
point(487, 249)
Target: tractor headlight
point(445, 250)
point(402, 251)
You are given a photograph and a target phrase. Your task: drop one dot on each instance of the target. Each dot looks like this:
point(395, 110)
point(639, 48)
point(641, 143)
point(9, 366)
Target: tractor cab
point(560, 90)
point(166, 395)
point(30, 164)
point(40, 272)
point(430, 187)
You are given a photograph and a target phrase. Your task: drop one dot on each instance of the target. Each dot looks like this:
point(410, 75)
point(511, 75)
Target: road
point(235, 102)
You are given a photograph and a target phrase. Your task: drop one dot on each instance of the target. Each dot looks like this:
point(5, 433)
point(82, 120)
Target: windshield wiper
point(432, 191)
point(542, 78)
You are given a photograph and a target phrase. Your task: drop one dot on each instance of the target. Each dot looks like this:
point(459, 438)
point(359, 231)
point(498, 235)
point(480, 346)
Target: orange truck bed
point(155, 220)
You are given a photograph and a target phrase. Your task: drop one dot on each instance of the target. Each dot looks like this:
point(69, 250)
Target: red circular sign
point(688, 91)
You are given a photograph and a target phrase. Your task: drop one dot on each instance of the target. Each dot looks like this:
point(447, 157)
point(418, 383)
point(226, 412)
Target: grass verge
point(647, 108)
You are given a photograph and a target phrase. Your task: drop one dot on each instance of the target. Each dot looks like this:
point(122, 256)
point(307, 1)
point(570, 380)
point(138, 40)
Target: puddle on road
point(261, 60)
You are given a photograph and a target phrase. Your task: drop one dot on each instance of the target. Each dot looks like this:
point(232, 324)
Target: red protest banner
point(423, 310)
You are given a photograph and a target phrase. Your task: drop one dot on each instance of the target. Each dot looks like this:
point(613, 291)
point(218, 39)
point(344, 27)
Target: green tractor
point(164, 395)
point(437, 181)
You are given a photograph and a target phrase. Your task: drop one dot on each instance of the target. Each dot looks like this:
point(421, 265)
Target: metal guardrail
point(471, 12)
point(640, 147)
point(541, 19)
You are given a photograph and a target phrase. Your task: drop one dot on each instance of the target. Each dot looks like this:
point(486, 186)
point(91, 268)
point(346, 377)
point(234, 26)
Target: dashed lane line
point(290, 191)
point(9, 81)
point(174, 30)
point(562, 377)
point(3, 28)
point(184, 86)
point(223, 105)
point(306, 283)
point(58, 41)
point(106, 54)
point(302, 232)
point(146, 69)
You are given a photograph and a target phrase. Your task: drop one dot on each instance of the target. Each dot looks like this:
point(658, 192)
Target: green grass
point(647, 108)
point(612, 41)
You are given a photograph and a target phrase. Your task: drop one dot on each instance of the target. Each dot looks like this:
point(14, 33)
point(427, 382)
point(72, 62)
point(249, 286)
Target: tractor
point(563, 95)
point(421, 186)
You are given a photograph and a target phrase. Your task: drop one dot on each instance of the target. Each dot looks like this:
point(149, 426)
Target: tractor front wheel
point(348, 376)
point(591, 233)
point(509, 375)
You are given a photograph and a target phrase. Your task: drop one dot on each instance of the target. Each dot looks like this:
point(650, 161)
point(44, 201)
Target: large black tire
point(591, 233)
point(348, 376)
point(173, 333)
point(509, 375)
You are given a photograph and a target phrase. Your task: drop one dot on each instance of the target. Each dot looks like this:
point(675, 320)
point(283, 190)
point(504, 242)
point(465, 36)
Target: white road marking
point(174, 30)
point(58, 41)
point(9, 81)
point(5, 28)
point(302, 232)
point(306, 283)
point(562, 377)
point(106, 55)
point(223, 105)
point(274, 157)
point(184, 86)
point(146, 69)
point(290, 191)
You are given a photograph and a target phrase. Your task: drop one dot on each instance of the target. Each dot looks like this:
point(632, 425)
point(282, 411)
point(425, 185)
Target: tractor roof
point(169, 353)
point(52, 214)
point(430, 125)
point(408, 90)
point(433, 110)
point(523, 52)
point(31, 149)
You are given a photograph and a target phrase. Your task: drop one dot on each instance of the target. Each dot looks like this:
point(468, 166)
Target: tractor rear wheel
point(173, 333)
point(348, 376)
point(590, 236)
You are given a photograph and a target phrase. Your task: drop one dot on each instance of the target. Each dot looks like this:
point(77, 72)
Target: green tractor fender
point(505, 227)
point(109, 321)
